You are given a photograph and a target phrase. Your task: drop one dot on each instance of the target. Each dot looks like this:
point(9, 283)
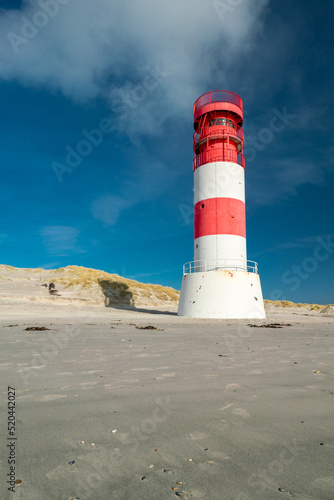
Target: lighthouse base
point(221, 294)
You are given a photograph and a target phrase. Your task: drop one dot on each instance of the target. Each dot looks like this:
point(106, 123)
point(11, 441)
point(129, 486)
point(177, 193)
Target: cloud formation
point(61, 240)
point(86, 49)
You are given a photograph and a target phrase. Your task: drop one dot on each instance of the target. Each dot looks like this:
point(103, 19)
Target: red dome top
point(219, 100)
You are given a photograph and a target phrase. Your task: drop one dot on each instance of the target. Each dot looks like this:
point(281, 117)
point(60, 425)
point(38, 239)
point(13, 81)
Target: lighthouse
point(220, 282)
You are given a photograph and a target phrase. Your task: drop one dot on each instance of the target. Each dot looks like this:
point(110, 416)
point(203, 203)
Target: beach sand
point(212, 409)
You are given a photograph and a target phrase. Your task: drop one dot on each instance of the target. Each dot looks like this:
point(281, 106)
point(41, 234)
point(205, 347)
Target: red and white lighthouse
point(220, 282)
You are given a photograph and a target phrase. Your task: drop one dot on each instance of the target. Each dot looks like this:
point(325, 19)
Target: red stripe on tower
point(220, 216)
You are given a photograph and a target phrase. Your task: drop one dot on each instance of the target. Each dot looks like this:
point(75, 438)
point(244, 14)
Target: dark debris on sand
point(36, 329)
point(270, 325)
point(149, 327)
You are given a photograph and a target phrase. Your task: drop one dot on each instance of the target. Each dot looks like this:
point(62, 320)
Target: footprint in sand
point(26, 494)
point(59, 473)
point(50, 397)
point(219, 426)
point(197, 493)
point(163, 472)
point(27, 396)
point(325, 484)
point(240, 412)
point(232, 387)
point(226, 407)
point(219, 455)
point(198, 435)
point(165, 375)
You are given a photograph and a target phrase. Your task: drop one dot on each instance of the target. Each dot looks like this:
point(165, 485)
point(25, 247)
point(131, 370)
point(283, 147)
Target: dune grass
point(289, 304)
point(86, 278)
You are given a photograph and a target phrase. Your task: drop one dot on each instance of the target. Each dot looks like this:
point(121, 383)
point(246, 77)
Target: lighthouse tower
point(220, 282)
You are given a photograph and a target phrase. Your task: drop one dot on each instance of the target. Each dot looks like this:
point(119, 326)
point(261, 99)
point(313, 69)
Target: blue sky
point(130, 72)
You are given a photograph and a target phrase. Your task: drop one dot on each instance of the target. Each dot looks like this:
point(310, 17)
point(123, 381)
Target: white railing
point(197, 266)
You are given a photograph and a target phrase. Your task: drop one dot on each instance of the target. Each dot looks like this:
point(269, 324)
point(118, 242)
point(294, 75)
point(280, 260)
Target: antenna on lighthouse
point(220, 282)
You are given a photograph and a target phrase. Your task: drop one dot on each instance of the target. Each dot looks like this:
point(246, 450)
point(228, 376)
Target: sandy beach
point(215, 409)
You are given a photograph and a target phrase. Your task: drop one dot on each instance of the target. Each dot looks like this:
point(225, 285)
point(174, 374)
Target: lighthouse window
point(202, 206)
point(221, 121)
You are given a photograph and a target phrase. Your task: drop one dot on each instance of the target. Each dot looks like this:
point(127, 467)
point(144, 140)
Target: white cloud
point(61, 240)
point(89, 49)
point(108, 208)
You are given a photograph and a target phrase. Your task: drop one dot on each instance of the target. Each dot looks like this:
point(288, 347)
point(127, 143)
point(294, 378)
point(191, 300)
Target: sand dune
point(75, 284)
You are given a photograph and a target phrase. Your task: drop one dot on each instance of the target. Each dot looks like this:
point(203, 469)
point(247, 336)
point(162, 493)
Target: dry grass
point(85, 278)
point(96, 283)
point(288, 303)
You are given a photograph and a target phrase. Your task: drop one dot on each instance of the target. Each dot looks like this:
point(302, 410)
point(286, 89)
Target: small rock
point(189, 460)
point(156, 449)
point(151, 466)
point(143, 478)
point(114, 430)
point(282, 489)
point(82, 442)
point(92, 444)
point(179, 482)
point(72, 462)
